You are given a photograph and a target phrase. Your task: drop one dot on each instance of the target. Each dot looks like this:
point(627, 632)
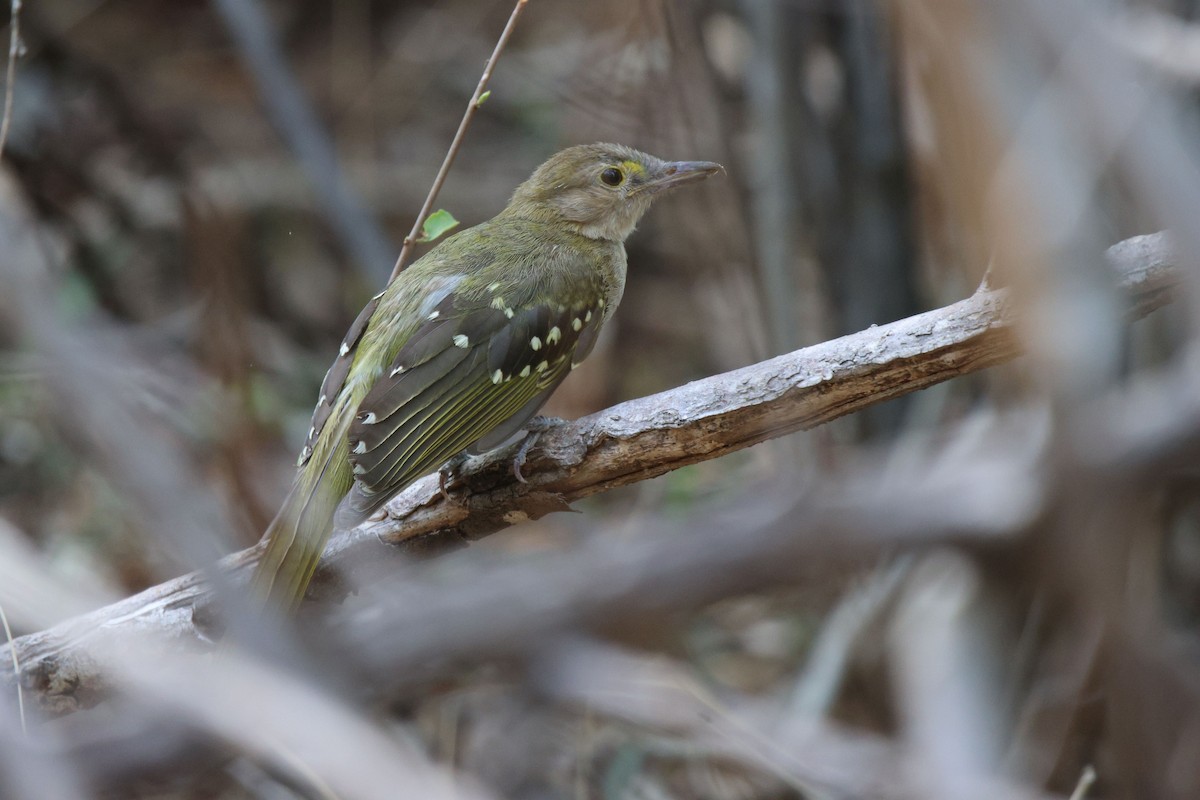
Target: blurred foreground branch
point(622, 445)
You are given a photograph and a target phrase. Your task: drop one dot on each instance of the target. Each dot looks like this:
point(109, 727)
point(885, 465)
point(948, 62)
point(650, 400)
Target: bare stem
point(472, 106)
point(16, 664)
point(1086, 779)
point(14, 49)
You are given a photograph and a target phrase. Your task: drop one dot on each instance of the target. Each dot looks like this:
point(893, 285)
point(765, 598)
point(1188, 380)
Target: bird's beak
point(677, 173)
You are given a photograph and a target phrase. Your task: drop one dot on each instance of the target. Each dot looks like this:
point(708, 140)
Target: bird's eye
point(612, 176)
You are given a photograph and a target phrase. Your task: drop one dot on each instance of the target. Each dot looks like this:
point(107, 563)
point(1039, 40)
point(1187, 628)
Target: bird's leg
point(448, 473)
point(533, 431)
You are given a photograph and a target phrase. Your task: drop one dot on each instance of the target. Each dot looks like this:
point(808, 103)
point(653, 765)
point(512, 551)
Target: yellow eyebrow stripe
point(633, 167)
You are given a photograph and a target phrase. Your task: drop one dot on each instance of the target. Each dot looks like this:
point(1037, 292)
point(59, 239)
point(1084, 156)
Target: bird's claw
point(448, 473)
point(533, 431)
point(523, 453)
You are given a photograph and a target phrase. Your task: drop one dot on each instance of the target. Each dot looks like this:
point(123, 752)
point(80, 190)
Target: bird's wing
point(335, 378)
point(466, 372)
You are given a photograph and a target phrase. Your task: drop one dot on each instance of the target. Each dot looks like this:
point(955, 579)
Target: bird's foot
point(449, 473)
point(533, 431)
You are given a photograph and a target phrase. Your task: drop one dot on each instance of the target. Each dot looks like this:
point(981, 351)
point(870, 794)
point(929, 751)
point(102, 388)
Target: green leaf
point(436, 225)
point(483, 98)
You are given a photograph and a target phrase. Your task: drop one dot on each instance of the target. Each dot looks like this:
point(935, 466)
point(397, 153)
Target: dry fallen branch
point(622, 445)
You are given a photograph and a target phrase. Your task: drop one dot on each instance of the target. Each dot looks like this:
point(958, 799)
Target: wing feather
point(503, 432)
point(335, 378)
point(469, 375)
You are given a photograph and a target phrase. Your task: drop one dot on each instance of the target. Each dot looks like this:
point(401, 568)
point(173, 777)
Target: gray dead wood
point(624, 444)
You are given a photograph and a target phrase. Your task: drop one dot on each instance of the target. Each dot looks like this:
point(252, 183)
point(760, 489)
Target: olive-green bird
point(464, 346)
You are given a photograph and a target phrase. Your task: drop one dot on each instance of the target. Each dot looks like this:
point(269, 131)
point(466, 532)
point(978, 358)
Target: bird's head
point(602, 190)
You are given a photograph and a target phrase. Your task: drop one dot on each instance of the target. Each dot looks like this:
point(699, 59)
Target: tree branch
point(627, 443)
point(708, 418)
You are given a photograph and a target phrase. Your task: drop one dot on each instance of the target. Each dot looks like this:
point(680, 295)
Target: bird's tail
point(297, 536)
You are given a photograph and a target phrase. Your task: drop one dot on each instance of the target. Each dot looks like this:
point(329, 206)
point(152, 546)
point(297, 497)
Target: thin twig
point(16, 665)
point(472, 106)
point(1086, 779)
point(10, 79)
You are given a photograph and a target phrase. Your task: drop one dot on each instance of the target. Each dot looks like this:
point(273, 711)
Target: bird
point(462, 348)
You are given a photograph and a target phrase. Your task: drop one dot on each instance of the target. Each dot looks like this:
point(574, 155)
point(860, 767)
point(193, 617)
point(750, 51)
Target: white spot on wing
point(541, 367)
point(360, 448)
point(370, 418)
point(434, 315)
point(525, 371)
point(576, 324)
point(535, 343)
point(498, 303)
point(497, 376)
point(461, 340)
point(554, 335)
point(399, 369)
point(344, 349)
